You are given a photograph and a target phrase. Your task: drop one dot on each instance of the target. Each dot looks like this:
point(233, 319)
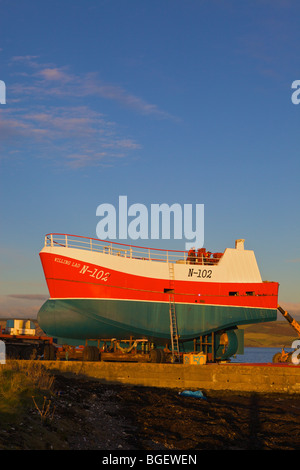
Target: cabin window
point(233, 293)
point(168, 291)
point(250, 292)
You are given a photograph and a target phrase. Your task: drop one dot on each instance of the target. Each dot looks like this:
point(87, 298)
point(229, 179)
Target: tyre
point(87, 354)
point(277, 358)
point(95, 353)
point(155, 355)
point(26, 354)
point(49, 352)
point(289, 358)
point(34, 354)
point(12, 352)
point(162, 356)
point(91, 353)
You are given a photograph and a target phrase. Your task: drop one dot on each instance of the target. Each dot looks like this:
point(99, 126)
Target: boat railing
point(123, 250)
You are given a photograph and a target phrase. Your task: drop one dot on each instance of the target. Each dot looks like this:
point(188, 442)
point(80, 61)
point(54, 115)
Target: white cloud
point(77, 132)
point(91, 85)
point(48, 79)
point(55, 74)
point(75, 136)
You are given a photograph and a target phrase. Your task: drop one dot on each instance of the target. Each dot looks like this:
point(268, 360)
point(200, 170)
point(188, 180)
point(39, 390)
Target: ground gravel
point(88, 415)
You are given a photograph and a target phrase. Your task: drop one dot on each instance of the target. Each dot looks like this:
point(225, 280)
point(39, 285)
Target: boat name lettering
point(200, 273)
point(63, 261)
point(95, 272)
point(75, 265)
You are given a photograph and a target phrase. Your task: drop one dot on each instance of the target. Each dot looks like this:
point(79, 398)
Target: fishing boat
point(101, 289)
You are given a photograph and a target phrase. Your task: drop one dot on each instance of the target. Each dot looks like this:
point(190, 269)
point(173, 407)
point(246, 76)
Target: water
point(258, 355)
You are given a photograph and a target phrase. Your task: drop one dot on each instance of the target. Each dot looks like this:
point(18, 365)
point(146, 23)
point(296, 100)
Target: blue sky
point(165, 101)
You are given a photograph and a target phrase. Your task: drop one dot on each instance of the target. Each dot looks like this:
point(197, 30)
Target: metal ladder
point(173, 319)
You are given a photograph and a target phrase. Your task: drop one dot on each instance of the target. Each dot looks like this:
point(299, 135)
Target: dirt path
point(88, 415)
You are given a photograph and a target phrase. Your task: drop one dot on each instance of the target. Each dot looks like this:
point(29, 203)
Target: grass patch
point(19, 383)
point(269, 334)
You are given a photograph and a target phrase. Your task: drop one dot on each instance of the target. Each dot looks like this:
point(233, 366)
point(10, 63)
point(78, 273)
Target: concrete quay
point(261, 378)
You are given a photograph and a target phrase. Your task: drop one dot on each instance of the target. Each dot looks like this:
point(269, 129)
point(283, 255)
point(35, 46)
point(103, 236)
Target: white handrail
point(119, 249)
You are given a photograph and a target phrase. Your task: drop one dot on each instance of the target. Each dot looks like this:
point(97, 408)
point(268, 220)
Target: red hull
point(71, 278)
